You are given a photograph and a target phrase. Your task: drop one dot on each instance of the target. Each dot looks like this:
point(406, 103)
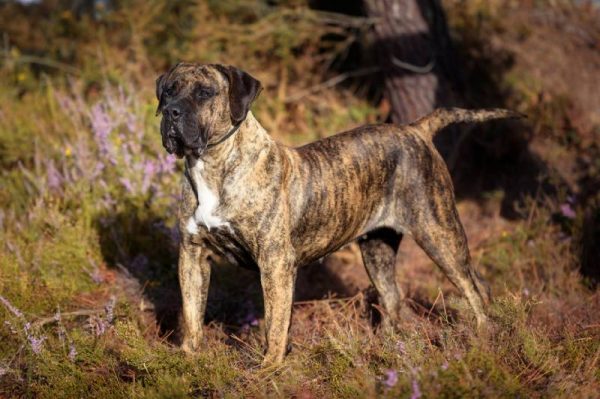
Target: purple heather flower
point(72, 352)
point(100, 327)
point(249, 317)
point(107, 201)
point(445, 365)
point(416, 390)
point(391, 378)
point(10, 307)
point(150, 170)
point(567, 211)
point(116, 102)
point(101, 127)
point(73, 105)
point(127, 184)
point(98, 169)
point(126, 154)
point(109, 308)
point(167, 163)
point(401, 347)
point(3, 371)
point(53, 176)
point(131, 123)
point(64, 101)
point(96, 276)
point(36, 343)
point(526, 292)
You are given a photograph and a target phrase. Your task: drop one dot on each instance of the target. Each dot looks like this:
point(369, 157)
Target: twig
point(336, 80)
point(329, 300)
point(12, 359)
point(593, 363)
point(77, 313)
point(123, 270)
point(444, 304)
point(414, 68)
point(30, 59)
point(334, 18)
point(245, 344)
point(434, 303)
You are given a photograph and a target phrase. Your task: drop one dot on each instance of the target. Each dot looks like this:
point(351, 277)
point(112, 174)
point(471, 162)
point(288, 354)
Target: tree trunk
point(412, 46)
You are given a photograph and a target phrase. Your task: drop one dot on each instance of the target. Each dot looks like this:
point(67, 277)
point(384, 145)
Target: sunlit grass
point(88, 243)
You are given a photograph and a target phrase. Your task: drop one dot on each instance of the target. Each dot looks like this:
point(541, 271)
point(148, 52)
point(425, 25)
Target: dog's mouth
point(176, 143)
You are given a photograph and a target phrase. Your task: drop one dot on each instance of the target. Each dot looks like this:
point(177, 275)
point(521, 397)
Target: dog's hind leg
point(444, 241)
point(378, 250)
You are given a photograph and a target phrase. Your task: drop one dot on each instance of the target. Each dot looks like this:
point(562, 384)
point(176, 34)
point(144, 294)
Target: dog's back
point(345, 185)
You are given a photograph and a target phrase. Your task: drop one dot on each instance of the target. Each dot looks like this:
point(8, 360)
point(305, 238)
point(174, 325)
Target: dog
point(275, 208)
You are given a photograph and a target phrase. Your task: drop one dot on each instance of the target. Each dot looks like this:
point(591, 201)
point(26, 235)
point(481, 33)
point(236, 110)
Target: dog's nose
point(172, 111)
point(175, 112)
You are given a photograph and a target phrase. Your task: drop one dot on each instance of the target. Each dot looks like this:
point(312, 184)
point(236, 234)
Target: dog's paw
point(273, 358)
point(271, 362)
point(482, 320)
point(192, 226)
point(190, 346)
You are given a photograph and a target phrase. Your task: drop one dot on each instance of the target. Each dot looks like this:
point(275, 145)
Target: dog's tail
point(429, 125)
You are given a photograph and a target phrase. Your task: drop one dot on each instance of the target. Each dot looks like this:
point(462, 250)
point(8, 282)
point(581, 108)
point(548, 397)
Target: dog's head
point(201, 103)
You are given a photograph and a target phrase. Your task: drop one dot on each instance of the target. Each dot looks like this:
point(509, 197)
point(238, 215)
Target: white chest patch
point(208, 202)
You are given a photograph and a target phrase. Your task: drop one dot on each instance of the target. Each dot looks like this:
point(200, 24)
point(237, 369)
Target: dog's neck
point(237, 152)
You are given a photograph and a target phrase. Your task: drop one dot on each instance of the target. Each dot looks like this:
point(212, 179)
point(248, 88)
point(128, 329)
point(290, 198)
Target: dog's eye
point(170, 91)
point(205, 92)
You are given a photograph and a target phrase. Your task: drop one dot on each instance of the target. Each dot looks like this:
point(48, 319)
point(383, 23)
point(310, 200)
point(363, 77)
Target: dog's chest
point(206, 213)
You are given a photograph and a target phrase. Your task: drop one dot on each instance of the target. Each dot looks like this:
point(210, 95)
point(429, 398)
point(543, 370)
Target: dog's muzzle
point(171, 140)
point(181, 137)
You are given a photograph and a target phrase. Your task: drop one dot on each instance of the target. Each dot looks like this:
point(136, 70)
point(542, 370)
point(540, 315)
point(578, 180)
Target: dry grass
point(87, 260)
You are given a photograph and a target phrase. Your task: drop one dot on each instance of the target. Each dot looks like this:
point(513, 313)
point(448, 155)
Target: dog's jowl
point(276, 208)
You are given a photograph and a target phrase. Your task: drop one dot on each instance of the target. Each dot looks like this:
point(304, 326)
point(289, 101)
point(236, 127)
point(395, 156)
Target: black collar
point(228, 135)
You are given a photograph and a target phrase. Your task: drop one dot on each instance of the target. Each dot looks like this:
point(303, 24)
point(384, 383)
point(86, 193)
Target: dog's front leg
point(194, 278)
point(277, 276)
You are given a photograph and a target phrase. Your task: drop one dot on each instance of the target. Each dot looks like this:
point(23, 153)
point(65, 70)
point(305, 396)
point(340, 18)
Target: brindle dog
point(276, 208)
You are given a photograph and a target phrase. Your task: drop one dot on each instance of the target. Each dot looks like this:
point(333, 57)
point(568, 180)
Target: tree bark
point(412, 46)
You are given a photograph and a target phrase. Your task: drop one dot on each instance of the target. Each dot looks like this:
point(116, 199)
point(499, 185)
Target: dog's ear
point(243, 90)
point(159, 92)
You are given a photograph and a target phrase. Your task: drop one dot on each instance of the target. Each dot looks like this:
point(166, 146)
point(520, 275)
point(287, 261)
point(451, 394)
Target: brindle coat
point(277, 208)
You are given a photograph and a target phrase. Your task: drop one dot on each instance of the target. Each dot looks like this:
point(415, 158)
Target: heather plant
point(121, 151)
point(88, 285)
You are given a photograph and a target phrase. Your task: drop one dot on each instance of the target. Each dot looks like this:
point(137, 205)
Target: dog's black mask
point(179, 128)
point(200, 104)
